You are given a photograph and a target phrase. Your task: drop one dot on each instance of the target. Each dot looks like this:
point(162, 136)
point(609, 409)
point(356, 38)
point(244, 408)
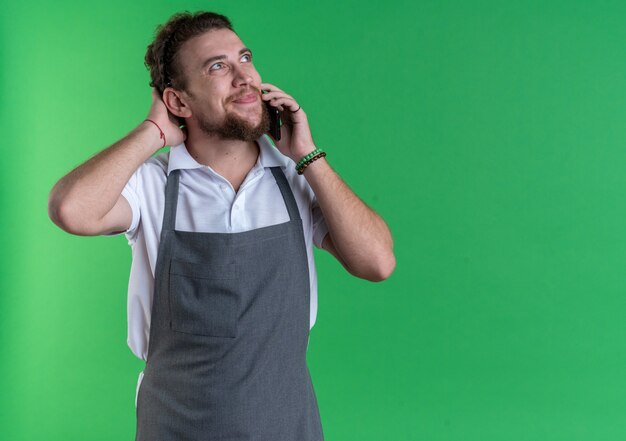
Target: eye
point(213, 67)
point(249, 56)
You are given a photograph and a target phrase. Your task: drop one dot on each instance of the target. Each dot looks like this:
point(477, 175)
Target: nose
point(241, 78)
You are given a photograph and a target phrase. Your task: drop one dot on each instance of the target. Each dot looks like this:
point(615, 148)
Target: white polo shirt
point(207, 202)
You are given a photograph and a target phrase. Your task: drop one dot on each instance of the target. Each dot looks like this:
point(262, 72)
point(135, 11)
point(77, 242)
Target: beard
point(235, 127)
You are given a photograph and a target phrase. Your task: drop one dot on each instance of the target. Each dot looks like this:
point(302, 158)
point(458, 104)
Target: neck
point(225, 156)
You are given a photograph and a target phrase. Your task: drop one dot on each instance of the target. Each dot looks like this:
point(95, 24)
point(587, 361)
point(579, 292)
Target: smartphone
point(274, 121)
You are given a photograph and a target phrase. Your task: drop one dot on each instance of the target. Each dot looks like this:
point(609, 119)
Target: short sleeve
point(130, 194)
point(320, 229)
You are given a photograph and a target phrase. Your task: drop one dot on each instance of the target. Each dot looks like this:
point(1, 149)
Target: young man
point(223, 290)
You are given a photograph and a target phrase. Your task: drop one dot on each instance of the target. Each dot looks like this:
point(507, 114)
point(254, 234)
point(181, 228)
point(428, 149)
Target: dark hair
point(161, 57)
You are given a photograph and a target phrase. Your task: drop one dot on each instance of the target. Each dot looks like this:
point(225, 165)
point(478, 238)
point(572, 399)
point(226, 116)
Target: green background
point(489, 135)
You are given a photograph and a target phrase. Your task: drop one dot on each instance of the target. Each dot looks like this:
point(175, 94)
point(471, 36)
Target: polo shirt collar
point(269, 156)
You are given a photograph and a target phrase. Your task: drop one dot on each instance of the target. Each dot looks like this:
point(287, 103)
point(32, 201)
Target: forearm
point(360, 236)
point(91, 190)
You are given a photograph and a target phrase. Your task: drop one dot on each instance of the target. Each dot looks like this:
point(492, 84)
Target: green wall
point(489, 135)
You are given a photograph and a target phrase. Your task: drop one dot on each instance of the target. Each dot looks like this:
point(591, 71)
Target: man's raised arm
point(87, 201)
point(357, 236)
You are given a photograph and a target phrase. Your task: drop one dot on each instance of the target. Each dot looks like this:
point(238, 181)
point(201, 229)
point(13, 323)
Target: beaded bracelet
point(307, 157)
point(308, 162)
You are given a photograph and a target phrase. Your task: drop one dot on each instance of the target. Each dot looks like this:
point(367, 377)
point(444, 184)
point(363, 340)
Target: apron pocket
point(203, 299)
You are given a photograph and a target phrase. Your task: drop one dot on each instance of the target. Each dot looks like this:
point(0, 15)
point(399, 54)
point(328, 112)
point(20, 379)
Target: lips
point(250, 98)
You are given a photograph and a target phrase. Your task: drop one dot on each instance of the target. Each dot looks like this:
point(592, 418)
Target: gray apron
point(229, 333)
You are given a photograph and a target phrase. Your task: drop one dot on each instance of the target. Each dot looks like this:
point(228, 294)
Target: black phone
point(274, 121)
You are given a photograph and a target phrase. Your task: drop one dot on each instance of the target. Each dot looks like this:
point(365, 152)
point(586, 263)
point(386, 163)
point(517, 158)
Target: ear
point(176, 102)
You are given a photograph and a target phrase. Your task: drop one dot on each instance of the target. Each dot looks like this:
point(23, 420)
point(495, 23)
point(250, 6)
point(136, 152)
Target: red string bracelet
point(162, 136)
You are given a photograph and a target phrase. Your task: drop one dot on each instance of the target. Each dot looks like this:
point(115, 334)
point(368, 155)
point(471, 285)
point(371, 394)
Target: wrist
point(312, 165)
point(297, 157)
point(309, 159)
point(158, 127)
point(149, 135)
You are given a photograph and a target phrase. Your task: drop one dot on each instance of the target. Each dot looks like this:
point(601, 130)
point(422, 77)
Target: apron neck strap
point(285, 190)
point(171, 200)
point(171, 197)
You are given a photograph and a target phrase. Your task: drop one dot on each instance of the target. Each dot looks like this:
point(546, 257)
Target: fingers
point(284, 103)
point(273, 92)
point(280, 100)
point(269, 87)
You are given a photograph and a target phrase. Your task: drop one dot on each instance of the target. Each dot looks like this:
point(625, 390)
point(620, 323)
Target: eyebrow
point(221, 57)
